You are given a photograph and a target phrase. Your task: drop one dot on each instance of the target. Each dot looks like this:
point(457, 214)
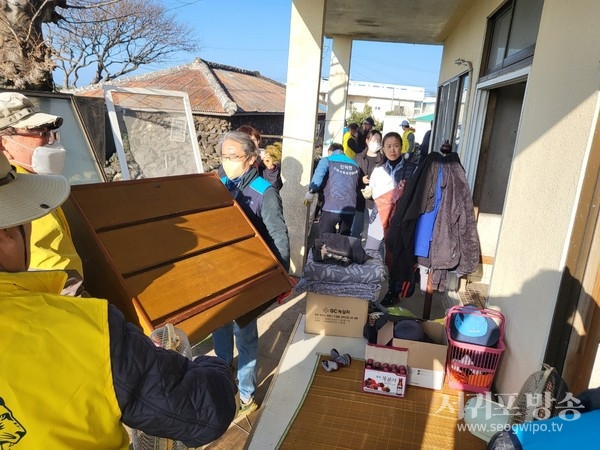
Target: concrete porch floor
point(275, 327)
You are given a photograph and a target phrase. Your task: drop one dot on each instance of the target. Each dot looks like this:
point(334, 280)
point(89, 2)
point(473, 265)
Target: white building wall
point(557, 123)
point(382, 98)
point(428, 106)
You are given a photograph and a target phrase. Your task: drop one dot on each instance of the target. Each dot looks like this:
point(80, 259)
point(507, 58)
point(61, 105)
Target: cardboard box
point(385, 382)
point(426, 362)
point(330, 315)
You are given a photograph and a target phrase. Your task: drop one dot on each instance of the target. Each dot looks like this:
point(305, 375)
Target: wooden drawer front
point(116, 204)
point(198, 326)
point(182, 284)
point(143, 246)
point(174, 249)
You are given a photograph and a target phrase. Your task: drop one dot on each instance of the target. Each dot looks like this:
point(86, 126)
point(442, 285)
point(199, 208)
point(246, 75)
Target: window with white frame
point(155, 129)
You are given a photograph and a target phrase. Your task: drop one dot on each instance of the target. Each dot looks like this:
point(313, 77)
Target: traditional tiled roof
point(212, 88)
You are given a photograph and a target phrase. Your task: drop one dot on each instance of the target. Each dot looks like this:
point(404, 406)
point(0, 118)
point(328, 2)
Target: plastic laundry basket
point(471, 367)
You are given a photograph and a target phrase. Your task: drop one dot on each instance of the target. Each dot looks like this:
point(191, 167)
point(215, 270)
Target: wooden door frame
point(575, 330)
point(490, 113)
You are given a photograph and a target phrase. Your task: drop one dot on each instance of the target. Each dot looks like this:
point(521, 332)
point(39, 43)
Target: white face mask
point(374, 146)
point(233, 169)
point(49, 159)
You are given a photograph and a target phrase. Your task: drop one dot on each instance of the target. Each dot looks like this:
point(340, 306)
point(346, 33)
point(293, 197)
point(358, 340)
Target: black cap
point(369, 120)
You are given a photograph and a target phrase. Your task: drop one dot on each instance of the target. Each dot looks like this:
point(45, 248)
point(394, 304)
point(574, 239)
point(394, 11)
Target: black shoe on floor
point(389, 299)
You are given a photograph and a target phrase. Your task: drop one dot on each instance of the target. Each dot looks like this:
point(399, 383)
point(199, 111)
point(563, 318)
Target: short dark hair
point(336, 146)
point(250, 131)
point(373, 132)
point(390, 135)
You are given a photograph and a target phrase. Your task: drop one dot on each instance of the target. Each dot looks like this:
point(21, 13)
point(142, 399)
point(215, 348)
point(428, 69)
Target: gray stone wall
point(208, 131)
point(147, 136)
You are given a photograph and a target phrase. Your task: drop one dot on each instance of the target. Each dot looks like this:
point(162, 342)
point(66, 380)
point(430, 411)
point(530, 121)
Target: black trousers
point(329, 220)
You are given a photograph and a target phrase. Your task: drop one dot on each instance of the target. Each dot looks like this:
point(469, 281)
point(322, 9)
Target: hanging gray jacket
point(455, 242)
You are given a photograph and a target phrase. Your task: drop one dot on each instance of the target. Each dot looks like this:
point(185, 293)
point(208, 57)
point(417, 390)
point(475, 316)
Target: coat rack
point(428, 298)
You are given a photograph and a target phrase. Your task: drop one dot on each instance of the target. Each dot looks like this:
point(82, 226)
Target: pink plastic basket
point(471, 367)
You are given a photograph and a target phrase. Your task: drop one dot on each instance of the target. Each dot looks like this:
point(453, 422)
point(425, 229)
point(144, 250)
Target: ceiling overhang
point(403, 21)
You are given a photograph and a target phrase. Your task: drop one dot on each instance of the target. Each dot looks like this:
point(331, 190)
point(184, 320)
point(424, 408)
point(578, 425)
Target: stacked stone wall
point(148, 141)
point(148, 129)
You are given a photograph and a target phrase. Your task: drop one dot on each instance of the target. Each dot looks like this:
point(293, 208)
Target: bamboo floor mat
point(335, 414)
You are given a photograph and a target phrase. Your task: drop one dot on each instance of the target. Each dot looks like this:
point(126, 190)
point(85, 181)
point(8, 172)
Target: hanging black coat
point(418, 198)
point(455, 244)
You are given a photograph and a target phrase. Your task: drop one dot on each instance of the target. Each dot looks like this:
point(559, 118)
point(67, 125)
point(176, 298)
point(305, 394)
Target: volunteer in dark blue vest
point(337, 176)
point(262, 204)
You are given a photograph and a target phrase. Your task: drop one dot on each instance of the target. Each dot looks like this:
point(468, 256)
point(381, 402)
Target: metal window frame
point(116, 131)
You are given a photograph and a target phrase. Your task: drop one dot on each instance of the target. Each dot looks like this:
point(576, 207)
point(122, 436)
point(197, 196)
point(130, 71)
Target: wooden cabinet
point(175, 249)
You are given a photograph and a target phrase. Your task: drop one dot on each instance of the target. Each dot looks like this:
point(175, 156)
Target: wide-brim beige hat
point(17, 111)
point(26, 197)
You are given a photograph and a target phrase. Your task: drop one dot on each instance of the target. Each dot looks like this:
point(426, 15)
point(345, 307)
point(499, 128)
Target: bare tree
point(25, 60)
point(116, 39)
point(114, 36)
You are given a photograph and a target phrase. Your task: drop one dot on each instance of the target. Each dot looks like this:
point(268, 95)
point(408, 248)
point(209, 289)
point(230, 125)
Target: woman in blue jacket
point(262, 204)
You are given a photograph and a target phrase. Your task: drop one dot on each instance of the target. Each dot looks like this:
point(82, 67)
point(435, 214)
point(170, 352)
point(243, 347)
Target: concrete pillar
point(339, 76)
point(301, 103)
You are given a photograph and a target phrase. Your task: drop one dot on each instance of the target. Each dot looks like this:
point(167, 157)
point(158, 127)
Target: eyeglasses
point(52, 135)
point(234, 157)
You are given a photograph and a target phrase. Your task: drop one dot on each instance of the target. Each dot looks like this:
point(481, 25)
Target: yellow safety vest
point(347, 150)
point(51, 244)
point(56, 388)
point(405, 143)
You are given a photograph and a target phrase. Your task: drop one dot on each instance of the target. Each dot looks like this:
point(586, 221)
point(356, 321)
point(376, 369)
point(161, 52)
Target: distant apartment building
point(385, 99)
